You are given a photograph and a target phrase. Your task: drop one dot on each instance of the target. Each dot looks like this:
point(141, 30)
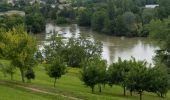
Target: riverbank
point(69, 85)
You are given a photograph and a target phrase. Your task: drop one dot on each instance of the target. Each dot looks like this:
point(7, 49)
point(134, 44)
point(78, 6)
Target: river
point(113, 47)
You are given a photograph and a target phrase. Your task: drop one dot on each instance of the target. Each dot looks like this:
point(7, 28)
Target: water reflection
point(113, 47)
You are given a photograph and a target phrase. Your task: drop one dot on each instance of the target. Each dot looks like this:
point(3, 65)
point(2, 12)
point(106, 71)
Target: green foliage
point(8, 22)
point(159, 80)
point(159, 30)
point(74, 51)
point(7, 69)
point(56, 69)
point(163, 9)
point(81, 50)
point(148, 15)
point(117, 73)
point(137, 77)
point(54, 49)
point(35, 22)
point(94, 72)
point(19, 47)
point(29, 74)
point(61, 20)
point(98, 20)
point(84, 17)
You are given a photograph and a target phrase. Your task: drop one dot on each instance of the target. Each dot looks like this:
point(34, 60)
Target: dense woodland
point(112, 17)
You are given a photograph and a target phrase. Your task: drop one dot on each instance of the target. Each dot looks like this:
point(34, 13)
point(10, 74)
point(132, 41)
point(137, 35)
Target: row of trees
point(136, 76)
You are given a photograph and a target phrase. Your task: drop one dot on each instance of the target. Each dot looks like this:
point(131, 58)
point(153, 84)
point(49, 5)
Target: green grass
point(70, 85)
point(13, 93)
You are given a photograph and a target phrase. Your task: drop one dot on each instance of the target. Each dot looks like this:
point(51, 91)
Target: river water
point(113, 47)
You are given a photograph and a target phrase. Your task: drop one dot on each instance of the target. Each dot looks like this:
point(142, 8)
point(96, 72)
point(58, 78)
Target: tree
point(54, 49)
point(35, 22)
point(29, 74)
point(137, 77)
point(98, 20)
point(147, 15)
point(81, 49)
point(163, 9)
point(130, 23)
point(159, 31)
point(102, 73)
point(84, 17)
point(117, 73)
point(7, 68)
point(8, 22)
point(159, 82)
point(56, 69)
point(19, 47)
point(93, 73)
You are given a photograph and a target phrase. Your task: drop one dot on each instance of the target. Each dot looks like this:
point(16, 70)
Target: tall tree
point(19, 47)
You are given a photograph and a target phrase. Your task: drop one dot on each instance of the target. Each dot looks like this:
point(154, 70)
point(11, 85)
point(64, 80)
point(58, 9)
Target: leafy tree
point(137, 77)
point(35, 22)
point(61, 20)
point(8, 22)
point(19, 47)
point(29, 74)
point(117, 73)
point(93, 73)
point(163, 9)
point(159, 82)
point(98, 20)
point(148, 15)
point(159, 30)
point(130, 23)
point(120, 26)
point(54, 49)
point(102, 73)
point(56, 69)
point(80, 50)
point(8, 69)
point(84, 17)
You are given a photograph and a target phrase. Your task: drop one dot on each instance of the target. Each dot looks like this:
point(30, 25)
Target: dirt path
point(24, 86)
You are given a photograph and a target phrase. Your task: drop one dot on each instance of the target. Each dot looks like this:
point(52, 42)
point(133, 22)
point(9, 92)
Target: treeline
point(120, 17)
point(113, 17)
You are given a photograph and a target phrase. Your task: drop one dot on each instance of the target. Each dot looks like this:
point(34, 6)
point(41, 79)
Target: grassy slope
point(71, 85)
point(13, 93)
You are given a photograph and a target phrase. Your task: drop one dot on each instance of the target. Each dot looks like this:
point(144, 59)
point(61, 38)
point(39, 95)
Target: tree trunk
point(22, 74)
point(100, 88)
point(124, 88)
point(130, 92)
point(140, 95)
point(55, 81)
point(104, 85)
point(11, 76)
point(161, 95)
point(92, 89)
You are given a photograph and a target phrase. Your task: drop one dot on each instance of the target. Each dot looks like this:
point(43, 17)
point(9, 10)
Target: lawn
point(13, 93)
point(69, 85)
